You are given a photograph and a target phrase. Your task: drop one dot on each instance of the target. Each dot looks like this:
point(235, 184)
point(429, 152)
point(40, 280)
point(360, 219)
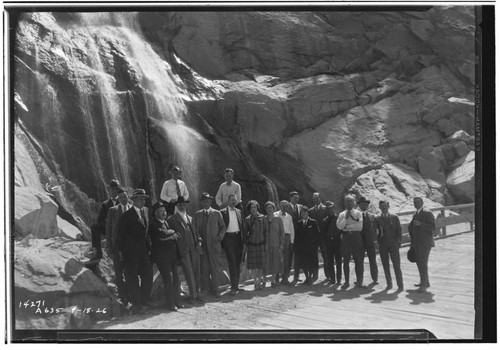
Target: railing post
point(472, 222)
point(444, 227)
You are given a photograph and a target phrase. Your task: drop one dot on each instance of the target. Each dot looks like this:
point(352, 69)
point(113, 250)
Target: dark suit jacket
point(216, 228)
point(318, 214)
point(103, 213)
point(295, 213)
point(176, 222)
point(132, 233)
point(367, 232)
point(306, 237)
point(112, 222)
point(387, 229)
point(239, 216)
point(161, 245)
point(423, 235)
point(329, 227)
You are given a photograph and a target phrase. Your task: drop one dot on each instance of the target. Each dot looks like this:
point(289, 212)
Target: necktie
point(143, 217)
point(177, 188)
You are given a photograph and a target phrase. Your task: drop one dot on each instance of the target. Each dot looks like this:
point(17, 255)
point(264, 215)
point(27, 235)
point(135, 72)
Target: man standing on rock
point(134, 245)
point(189, 248)
point(318, 213)
point(233, 241)
point(99, 230)
point(209, 225)
point(112, 222)
point(227, 188)
point(173, 189)
point(333, 263)
point(295, 209)
point(389, 237)
point(350, 222)
point(367, 234)
point(421, 231)
point(289, 238)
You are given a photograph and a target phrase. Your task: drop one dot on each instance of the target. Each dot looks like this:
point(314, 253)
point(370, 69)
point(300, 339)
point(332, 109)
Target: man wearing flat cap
point(98, 230)
point(333, 263)
point(134, 247)
point(164, 254)
point(188, 246)
point(368, 236)
point(209, 225)
point(173, 189)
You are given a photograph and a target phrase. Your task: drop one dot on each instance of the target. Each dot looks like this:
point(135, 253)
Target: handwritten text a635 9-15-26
point(39, 308)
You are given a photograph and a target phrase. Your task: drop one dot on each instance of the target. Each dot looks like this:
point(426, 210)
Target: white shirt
point(345, 223)
point(225, 190)
point(233, 221)
point(287, 224)
point(169, 191)
point(124, 207)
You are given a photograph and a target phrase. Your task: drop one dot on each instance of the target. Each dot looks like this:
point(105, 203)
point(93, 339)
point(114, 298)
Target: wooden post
point(444, 227)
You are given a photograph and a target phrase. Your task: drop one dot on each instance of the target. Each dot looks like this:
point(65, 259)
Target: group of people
point(268, 243)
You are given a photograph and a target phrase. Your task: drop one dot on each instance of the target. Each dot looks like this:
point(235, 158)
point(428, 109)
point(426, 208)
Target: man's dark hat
point(293, 193)
point(329, 204)
point(363, 200)
point(139, 193)
point(114, 183)
point(157, 206)
point(205, 195)
point(181, 200)
point(175, 168)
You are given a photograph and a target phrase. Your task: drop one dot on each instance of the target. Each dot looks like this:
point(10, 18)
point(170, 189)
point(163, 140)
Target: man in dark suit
point(318, 213)
point(112, 222)
point(295, 209)
point(305, 247)
point(388, 230)
point(134, 248)
point(421, 231)
point(233, 241)
point(98, 230)
point(164, 254)
point(189, 247)
point(209, 225)
point(368, 237)
point(333, 262)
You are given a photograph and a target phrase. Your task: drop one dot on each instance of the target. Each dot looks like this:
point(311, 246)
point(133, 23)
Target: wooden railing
point(449, 215)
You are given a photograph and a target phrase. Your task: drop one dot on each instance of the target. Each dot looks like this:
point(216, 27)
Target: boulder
point(34, 213)
point(25, 172)
point(461, 181)
point(68, 230)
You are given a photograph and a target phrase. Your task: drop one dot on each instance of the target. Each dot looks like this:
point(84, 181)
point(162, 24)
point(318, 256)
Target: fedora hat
point(139, 193)
point(363, 200)
point(114, 183)
point(206, 195)
point(181, 200)
point(329, 204)
point(157, 206)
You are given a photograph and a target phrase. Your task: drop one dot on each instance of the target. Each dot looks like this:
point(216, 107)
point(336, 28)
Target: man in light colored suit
point(112, 221)
point(209, 225)
point(421, 231)
point(189, 247)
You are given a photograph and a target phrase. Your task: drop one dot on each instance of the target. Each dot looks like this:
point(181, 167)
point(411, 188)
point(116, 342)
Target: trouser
point(138, 264)
point(391, 249)
point(369, 248)
point(210, 270)
point(422, 257)
point(334, 259)
point(120, 279)
point(352, 245)
point(233, 247)
point(168, 271)
point(287, 256)
point(321, 245)
point(190, 262)
point(97, 233)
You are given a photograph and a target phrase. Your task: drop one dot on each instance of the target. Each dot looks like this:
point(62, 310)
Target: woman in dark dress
point(306, 234)
point(256, 243)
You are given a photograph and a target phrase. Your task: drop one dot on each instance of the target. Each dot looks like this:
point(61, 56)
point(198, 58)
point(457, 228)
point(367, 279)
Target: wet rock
point(461, 181)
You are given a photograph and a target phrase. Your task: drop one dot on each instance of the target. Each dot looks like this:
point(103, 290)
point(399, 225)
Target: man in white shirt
point(227, 188)
point(289, 237)
point(173, 189)
point(350, 222)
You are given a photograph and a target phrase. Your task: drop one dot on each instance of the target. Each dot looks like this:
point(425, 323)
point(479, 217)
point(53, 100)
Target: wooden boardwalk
point(446, 309)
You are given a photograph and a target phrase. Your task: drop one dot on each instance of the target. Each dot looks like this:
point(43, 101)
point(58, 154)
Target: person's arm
point(281, 233)
point(342, 220)
point(238, 193)
point(164, 193)
point(358, 225)
point(222, 226)
point(185, 192)
point(109, 226)
point(218, 197)
point(291, 226)
point(429, 222)
point(399, 233)
point(101, 219)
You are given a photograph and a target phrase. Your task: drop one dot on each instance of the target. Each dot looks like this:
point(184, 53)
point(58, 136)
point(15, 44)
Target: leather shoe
point(389, 286)
point(400, 289)
point(179, 305)
point(172, 308)
point(233, 292)
point(345, 285)
point(416, 284)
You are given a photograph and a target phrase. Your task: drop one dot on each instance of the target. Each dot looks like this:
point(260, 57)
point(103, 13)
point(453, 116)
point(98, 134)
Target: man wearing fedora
point(112, 222)
point(188, 246)
point(98, 230)
point(350, 223)
point(134, 246)
point(164, 254)
point(421, 231)
point(209, 225)
point(389, 236)
point(368, 237)
point(173, 189)
point(333, 263)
